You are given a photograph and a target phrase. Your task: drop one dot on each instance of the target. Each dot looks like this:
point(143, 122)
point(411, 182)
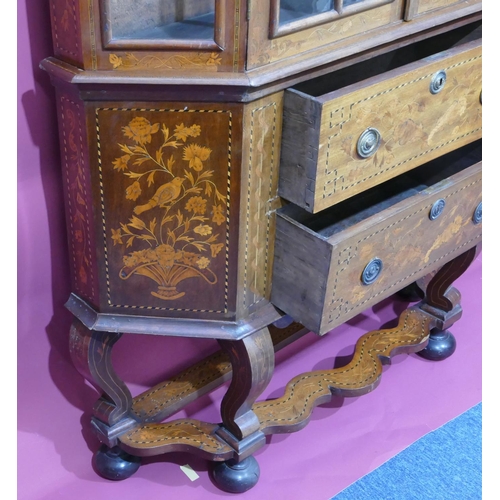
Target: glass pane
point(351, 2)
point(162, 19)
point(292, 10)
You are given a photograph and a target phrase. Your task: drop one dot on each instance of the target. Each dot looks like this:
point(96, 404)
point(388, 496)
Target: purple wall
point(43, 283)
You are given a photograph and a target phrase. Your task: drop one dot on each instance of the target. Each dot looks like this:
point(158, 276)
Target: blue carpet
point(444, 464)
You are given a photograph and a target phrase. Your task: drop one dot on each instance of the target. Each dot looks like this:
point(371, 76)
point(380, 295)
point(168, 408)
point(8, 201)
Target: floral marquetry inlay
point(178, 61)
point(76, 195)
point(169, 221)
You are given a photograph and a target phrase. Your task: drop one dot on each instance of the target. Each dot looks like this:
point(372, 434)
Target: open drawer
point(337, 143)
point(331, 266)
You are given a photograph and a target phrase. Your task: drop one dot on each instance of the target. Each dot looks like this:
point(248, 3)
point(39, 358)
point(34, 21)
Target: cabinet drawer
point(325, 268)
point(343, 142)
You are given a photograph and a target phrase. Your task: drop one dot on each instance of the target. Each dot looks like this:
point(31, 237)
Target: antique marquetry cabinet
point(229, 164)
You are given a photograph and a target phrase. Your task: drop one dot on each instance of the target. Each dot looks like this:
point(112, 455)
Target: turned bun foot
point(115, 464)
point(236, 477)
point(441, 345)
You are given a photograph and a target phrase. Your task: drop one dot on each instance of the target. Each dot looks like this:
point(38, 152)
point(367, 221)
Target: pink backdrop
point(54, 403)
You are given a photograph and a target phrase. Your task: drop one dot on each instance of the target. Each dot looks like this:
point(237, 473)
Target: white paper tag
point(190, 473)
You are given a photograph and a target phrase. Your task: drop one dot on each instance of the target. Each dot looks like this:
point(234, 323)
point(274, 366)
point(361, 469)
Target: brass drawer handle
point(368, 142)
point(478, 214)
point(438, 82)
point(372, 271)
point(437, 209)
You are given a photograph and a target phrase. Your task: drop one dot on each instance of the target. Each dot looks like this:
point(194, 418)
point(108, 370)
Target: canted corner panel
point(409, 244)
point(259, 194)
point(77, 187)
point(415, 126)
point(164, 181)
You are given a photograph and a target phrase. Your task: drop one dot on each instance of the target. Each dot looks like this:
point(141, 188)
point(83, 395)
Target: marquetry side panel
point(166, 190)
point(78, 197)
point(66, 30)
point(259, 199)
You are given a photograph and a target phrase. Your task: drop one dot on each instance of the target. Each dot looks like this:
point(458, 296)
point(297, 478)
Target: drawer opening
point(391, 60)
point(371, 202)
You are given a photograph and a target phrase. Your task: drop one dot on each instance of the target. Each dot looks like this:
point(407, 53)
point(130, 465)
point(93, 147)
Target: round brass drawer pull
point(372, 271)
point(478, 214)
point(437, 82)
point(437, 209)
point(368, 142)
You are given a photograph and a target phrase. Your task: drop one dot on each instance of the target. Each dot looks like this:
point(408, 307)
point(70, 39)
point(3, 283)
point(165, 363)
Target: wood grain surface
point(186, 435)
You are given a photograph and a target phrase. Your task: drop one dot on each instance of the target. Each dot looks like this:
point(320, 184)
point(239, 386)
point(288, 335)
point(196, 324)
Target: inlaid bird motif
point(165, 194)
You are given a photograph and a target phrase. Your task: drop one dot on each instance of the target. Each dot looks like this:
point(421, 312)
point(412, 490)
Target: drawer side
point(299, 147)
point(301, 266)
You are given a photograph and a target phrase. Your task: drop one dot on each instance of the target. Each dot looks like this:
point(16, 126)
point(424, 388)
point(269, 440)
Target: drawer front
point(319, 281)
point(321, 160)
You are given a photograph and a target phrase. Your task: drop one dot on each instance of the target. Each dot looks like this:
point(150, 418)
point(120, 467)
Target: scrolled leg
point(443, 301)
point(252, 360)
point(91, 354)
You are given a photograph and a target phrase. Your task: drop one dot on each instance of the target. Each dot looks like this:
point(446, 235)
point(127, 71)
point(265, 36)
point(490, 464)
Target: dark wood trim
point(152, 325)
point(249, 86)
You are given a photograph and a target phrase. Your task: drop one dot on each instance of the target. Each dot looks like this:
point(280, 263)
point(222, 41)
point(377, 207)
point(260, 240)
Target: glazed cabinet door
point(284, 28)
point(144, 24)
point(289, 16)
point(149, 35)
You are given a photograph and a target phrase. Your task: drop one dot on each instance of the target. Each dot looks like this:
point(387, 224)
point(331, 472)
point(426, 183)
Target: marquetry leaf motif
point(78, 205)
point(131, 61)
point(173, 231)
